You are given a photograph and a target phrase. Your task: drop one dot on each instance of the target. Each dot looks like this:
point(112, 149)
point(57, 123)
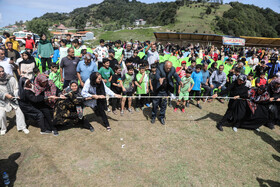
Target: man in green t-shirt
point(106, 72)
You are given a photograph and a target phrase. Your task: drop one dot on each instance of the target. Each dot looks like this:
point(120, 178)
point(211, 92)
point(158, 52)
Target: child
point(192, 66)
point(128, 62)
point(152, 79)
point(106, 72)
point(261, 80)
point(55, 76)
point(127, 88)
point(184, 91)
point(142, 83)
point(249, 80)
point(116, 87)
point(197, 78)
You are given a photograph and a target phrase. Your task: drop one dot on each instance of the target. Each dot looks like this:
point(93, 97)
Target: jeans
point(162, 103)
point(216, 85)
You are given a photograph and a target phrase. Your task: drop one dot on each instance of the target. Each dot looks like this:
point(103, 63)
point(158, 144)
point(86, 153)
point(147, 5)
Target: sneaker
point(55, 133)
point(2, 132)
point(91, 129)
point(46, 132)
point(148, 105)
point(183, 110)
point(122, 112)
point(258, 130)
point(143, 108)
point(115, 112)
point(137, 110)
point(153, 120)
point(175, 109)
point(130, 110)
point(188, 104)
point(108, 109)
point(26, 131)
point(234, 129)
point(199, 106)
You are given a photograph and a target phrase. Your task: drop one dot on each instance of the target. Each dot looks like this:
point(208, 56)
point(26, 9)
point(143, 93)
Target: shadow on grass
point(267, 183)
point(94, 117)
point(277, 158)
point(12, 123)
point(268, 139)
point(10, 166)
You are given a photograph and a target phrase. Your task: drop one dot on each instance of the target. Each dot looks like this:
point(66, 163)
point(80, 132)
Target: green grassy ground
point(189, 19)
point(188, 151)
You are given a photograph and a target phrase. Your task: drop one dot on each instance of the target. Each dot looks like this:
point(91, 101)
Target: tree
point(79, 22)
point(208, 10)
point(38, 26)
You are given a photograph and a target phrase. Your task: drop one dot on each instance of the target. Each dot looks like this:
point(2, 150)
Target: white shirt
point(63, 52)
point(102, 52)
point(89, 91)
point(8, 68)
point(152, 57)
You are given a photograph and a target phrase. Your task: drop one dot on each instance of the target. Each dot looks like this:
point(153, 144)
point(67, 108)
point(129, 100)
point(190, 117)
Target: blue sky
point(16, 10)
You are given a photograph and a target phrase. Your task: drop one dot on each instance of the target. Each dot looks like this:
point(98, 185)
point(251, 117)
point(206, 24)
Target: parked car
point(21, 36)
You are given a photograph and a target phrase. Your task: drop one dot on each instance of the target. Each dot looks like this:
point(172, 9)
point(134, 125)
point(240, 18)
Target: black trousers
point(43, 62)
point(206, 89)
point(101, 112)
point(142, 101)
point(48, 113)
point(159, 102)
point(115, 103)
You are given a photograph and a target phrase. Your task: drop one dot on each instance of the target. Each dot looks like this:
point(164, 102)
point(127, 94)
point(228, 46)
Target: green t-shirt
point(77, 52)
point(118, 53)
point(55, 77)
point(187, 82)
point(144, 84)
point(127, 82)
point(106, 74)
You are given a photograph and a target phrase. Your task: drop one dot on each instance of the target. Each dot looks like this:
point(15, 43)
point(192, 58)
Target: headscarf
point(5, 79)
point(255, 98)
point(273, 85)
point(29, 60)
point(100, 90)
point(22, 84)
point(68, 89)
point(49, 89)
point(44, 41)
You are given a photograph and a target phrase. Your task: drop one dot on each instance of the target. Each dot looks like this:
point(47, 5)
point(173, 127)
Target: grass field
point(188, 19)
point(187, 151)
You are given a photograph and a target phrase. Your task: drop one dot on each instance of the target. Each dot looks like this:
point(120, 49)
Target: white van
point(21, 36)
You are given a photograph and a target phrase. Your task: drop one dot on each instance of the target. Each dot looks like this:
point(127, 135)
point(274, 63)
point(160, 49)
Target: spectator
point(85, 68)
point(68, 67)
point(7, 63)
point(127, 53)
point(26, 66)
point(15, 43)
point(101, 52)
point(113, 62)
point(197, 78)
point(218, 80)
point(77, 48)
point(106, 72)
point(118, 50)
point(205, 80)
point(45, 52)
point(29, 44)
point(152, 55)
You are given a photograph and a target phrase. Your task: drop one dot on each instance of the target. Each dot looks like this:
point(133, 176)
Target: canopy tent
point(185, 38)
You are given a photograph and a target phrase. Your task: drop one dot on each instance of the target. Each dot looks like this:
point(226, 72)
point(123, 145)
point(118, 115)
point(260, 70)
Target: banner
point(233, 41)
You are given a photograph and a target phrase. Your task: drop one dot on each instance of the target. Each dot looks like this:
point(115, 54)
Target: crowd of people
point(52, 81)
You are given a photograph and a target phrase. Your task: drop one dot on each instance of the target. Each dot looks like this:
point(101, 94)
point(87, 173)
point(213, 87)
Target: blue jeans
point(216, 85)
point(159, 102)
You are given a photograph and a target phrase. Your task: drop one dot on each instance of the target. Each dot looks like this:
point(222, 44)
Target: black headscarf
point(29, 60)
point(100, 90)
point(21, 92)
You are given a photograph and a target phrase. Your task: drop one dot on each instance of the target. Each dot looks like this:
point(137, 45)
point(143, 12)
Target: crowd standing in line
point(52, 81)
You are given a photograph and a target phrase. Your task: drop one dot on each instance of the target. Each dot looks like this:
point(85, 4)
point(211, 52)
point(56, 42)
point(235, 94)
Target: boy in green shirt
point(184, 91)
point(55, 76)
point(142, 83)
point(127, 83)
point(106, 72)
